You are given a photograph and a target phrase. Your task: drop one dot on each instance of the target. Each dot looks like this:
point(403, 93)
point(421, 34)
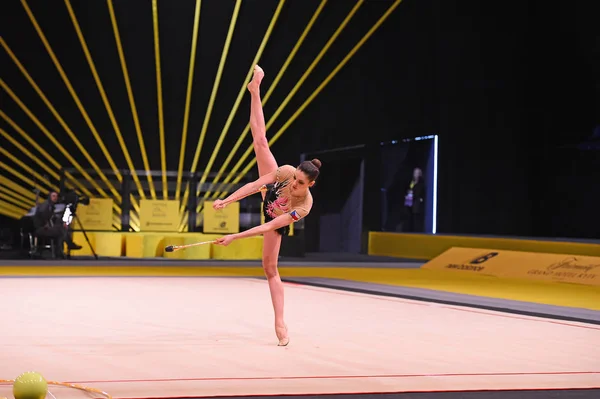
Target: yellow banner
point(98, 215)
point(262, 220)
point(517, 264)
point(159, 215)
point(221, 221)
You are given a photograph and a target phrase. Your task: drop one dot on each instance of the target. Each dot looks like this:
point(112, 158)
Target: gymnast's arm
point(280, 221)
point(248, 189)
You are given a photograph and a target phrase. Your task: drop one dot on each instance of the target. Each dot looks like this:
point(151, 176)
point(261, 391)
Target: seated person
point(46, 227)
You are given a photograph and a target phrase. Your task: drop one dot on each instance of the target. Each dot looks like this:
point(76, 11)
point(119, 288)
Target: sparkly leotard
point(278, 199)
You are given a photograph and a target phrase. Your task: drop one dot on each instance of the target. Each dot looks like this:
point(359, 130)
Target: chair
point(40, 244)
point(37, 245)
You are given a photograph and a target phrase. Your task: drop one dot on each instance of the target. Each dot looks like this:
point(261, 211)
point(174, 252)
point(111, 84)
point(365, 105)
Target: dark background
point(505, 85)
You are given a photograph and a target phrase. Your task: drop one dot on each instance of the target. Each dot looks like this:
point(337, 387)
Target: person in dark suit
point(414, 202)
point(46, 226)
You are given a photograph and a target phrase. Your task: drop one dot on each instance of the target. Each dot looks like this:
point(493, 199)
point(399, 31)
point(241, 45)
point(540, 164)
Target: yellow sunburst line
point(10, 214)
point(161, 122)
point(28, 153)
point(213, 96)
point(17, 187)
point(79, 106)
point(16, 173)
point(42, 151)
point(103, 95)
point(13, 196)
point(18, 211)
point(134, 113)
point(28, 168)
point(186, 112)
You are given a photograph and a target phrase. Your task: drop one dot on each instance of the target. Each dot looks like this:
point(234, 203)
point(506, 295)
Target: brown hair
point(311, 168)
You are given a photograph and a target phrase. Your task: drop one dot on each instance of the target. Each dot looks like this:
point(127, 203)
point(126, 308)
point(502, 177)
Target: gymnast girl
point(286, 199)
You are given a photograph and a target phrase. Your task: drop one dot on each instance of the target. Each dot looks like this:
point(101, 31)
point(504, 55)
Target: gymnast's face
point(300, 183)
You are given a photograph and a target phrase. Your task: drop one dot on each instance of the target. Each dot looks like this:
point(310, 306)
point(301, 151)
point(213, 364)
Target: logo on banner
point(519, 264)
point(483, 258)
point(97, 215)
point(473, 264)
point(159, 215)
point(569, 267)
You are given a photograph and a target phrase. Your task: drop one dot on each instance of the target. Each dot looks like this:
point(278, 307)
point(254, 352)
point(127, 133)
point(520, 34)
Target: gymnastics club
point(173, 248)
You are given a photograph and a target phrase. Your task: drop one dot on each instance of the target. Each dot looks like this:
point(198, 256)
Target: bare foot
point(258, 76)
point(282, 335)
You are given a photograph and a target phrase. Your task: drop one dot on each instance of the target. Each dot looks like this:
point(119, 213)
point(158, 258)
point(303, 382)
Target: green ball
point(30, 385)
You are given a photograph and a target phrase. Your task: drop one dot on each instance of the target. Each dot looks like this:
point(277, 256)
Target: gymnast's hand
point(225, 241)
point(218, 204)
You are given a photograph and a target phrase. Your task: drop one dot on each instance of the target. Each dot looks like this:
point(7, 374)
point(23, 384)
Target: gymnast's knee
point(261, 142)
point(270, 268)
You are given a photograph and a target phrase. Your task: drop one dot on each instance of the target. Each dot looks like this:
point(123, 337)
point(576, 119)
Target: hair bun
point(317, 163)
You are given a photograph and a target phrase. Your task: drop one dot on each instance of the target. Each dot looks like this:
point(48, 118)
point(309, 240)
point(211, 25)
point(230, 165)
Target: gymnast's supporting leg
point(271, 246)
point(272, 240)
